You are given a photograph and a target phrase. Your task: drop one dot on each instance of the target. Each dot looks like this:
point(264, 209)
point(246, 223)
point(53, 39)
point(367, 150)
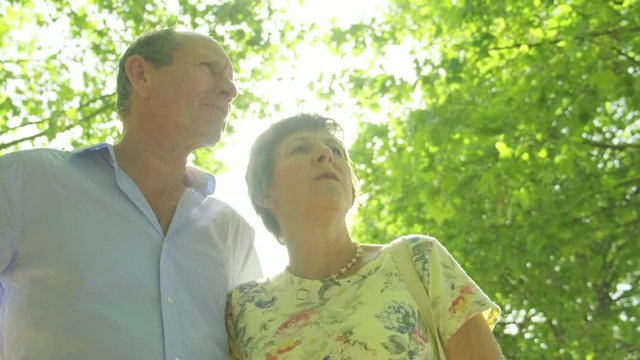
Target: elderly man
point(121, 252)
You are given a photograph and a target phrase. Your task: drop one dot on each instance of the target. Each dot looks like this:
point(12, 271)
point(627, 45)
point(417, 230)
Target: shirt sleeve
point(455, 297)
point(234, 346)
point(8, 190)
point(246, 265)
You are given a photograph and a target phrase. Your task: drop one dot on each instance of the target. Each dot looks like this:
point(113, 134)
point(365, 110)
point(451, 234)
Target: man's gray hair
point(156, 47)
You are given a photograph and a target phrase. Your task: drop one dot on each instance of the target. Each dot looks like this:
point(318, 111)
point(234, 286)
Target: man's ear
point(137, 69)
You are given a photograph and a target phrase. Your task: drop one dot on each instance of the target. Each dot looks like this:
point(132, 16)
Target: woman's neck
point(317, 252)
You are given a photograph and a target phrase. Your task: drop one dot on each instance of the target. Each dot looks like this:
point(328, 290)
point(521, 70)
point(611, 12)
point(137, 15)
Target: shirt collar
point(194, 178)
point(96, 147)
point(199, 180)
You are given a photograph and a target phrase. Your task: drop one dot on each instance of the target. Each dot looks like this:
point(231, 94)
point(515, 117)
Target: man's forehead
point(202, 45)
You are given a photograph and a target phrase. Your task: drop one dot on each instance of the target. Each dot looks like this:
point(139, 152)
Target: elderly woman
point(339, 298)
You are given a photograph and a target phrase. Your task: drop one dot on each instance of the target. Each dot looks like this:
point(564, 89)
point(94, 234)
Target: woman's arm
point(232, 340)
point(474, 340)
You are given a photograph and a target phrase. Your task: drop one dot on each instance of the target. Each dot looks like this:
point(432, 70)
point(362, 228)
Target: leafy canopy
point(513, 135)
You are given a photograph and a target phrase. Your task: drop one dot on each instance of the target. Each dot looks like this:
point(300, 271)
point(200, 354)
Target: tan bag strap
point(404, 260)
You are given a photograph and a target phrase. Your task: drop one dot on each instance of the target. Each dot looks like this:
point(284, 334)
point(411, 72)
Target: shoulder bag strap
point(404, 260)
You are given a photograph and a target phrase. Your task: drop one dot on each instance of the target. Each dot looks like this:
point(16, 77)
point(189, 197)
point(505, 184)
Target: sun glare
point(294, 78)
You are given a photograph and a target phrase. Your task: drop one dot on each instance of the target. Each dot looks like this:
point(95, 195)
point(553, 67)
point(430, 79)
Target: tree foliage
point(515, 139)
point(510, 130)
point(58, 62)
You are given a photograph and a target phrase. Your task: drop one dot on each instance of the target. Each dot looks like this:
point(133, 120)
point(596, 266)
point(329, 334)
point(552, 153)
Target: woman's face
point(311, 172)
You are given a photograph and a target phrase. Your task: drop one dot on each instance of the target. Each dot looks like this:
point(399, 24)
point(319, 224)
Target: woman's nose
point(324, 154)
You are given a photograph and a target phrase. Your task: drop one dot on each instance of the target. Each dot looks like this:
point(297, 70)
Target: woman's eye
point(337, 151)
point(298, 148)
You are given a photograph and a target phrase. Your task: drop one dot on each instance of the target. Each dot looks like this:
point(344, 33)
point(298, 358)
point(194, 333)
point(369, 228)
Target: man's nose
point(228, 89)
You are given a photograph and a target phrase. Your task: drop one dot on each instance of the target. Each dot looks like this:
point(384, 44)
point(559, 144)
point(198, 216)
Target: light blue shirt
point(87, 273)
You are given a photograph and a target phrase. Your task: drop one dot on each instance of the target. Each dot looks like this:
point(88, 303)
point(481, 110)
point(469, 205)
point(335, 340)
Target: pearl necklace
point(344, 269)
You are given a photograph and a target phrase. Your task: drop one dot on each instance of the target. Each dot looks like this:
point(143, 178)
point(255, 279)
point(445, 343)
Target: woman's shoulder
point(420, 246)
point(258, 293)
point(256, 288)
point(418, 238)
point(419, 243)
point(425, 250)
point(247, 288)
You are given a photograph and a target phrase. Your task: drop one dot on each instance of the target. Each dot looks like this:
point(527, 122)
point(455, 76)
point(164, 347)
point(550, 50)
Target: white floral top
point(370, 315)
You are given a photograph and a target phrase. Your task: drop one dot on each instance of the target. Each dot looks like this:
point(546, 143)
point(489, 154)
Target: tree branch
point(613, 32)
point(608, 269)
point(20, 61)
point(611, 146)
point(629, 295)
point(25, 124)
point(46, 131)
point(628, 182)
point(28, 138)
point(631, 348)
point(102, 97)
point(629, 57)
point(635, 221)
point(556, 332)
point(81, 106)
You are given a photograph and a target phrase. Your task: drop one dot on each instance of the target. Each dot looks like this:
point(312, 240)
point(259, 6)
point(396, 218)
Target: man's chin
point(212, 139)
point(209, 142)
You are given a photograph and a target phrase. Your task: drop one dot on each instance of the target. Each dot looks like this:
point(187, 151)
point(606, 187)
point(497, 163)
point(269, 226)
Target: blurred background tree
point(508, 130)
point(515, 139)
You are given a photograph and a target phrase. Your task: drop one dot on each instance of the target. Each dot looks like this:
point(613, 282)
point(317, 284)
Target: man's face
point(191, 97)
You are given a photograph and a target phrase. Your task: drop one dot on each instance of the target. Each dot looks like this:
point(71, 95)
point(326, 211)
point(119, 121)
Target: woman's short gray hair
point(260, 168)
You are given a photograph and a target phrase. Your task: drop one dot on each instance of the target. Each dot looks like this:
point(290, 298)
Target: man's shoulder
point(221, 206)
point(36, 153)
point(227, 218)
point(32, 157)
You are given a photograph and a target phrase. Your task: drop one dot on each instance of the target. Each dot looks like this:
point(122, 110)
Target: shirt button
point(165, 246)
point(177, 358)
point(170, 301)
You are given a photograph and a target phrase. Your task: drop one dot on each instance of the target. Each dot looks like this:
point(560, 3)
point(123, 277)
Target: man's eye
point(209, 66)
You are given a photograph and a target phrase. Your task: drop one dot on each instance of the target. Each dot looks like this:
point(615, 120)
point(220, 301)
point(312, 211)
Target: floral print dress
point(370, 315)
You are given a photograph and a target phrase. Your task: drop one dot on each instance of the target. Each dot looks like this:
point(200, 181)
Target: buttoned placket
point(171, 320)
point(170, 310)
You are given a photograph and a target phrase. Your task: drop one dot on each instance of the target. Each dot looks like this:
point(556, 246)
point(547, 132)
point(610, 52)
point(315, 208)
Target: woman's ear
point(267, 202)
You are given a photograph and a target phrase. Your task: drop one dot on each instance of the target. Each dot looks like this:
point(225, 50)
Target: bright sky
point(311, 62)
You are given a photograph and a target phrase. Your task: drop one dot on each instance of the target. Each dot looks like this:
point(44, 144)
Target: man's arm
point(474, 340)
point(8, 182)
point(246, 261)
